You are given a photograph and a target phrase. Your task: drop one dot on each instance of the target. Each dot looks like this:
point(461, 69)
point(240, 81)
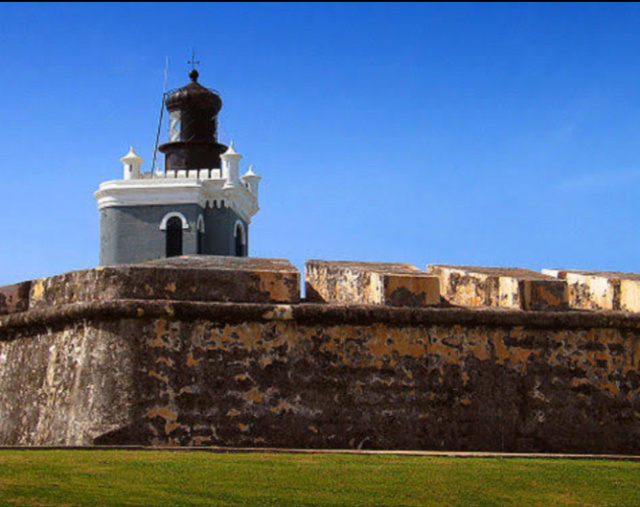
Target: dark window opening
point(174, 237)
point(200, 242)
point(239, 242)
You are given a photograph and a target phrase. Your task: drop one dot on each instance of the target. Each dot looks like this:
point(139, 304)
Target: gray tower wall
point(131, 234)
point(219, 231)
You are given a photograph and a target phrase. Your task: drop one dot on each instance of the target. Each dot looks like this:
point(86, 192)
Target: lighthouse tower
point(199, 204)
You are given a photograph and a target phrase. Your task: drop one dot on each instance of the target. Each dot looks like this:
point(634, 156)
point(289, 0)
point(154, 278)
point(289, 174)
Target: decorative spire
point(250, 174)
point(231, 151)
point(131, 156)
point(193, 62)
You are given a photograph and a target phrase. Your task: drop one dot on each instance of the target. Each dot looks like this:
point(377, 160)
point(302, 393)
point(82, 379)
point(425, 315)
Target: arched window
point(173, 224)
point(165, 219)
point(174, 237)
point(240, 240)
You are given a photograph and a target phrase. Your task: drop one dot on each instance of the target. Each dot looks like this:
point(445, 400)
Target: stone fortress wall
point(203, 350)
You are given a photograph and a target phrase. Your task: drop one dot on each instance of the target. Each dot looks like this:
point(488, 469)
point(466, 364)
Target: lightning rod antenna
point(164, 95)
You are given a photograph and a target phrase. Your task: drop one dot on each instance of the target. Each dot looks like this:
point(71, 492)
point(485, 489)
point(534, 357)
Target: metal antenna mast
point(164, 95)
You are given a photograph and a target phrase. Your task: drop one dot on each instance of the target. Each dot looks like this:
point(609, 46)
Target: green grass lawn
point(106, 478)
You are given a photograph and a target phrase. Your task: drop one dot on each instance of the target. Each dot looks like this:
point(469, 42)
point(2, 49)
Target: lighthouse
point(198, 204)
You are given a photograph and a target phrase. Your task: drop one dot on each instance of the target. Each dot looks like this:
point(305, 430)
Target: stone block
point(600, 290)
point(370, 283)
point(14, 298)
point(514, 288)
point(186, 278)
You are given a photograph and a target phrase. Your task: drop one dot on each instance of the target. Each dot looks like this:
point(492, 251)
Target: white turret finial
point(230, 150)
point(132, 164)
point(231, 167)
point(252, 180)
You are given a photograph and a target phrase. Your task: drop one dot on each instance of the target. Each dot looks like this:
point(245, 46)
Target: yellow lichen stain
point(258, 440)
point(389, 382)
point(185, 390)
point(282, 406)
point(481, 351)
point(465, 378)
point(385, 341)
point(148, 289)
point(170, 426)
point(233, 413)
point(201, 440)
point(139, 312)
point(272, 283)
point(155, 343)
point(243, 427)
point(166, 335)
point(450, 354)
point(164, 360)
point(154, 374)
point(169, 310)
point(265, 361)
point(250, 336)
point(254, 396)
point(171, 287)
point(499, 349)
point(424, 415)
point(191, 361)
point(633, 357)
point(466, 401)
point(515, 355)
point(612, 387)
point(161, 328)
point(164, 412)
point(37, 289)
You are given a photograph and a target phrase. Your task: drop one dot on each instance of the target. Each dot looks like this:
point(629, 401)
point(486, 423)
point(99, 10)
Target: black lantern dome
point(193, 95)
point(193, 118)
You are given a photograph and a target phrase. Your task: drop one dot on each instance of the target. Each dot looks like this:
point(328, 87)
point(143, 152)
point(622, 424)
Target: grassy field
point(142, 478)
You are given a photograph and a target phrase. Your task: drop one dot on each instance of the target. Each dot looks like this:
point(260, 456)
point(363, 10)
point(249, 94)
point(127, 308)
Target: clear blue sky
point(496, 135)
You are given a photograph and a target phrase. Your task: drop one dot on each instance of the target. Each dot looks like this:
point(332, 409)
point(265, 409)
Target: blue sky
point(482, 134)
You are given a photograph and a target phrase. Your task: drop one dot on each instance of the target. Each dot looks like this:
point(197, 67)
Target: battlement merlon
point(201, 278)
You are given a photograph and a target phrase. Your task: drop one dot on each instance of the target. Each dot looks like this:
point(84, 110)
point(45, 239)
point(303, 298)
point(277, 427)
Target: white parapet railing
point(191, 174)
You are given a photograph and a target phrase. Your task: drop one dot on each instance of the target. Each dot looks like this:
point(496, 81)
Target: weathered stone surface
point(322, 376)
point(370, 283)
point(66, 385)
point(14, 298)
point(144, 364)
point(502, 287)
point(601, 290)
point(190, 278)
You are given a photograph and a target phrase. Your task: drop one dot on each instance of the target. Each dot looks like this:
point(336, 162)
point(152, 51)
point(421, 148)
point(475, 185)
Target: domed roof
point(194, 95)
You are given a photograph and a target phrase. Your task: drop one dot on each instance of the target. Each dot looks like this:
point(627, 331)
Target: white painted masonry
point(204, 187)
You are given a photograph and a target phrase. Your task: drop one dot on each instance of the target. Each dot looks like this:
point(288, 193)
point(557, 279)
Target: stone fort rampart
point(205, 350)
